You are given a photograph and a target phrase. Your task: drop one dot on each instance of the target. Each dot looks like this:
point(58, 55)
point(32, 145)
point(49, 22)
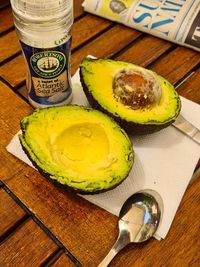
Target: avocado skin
point(68, 188)
point(129, 127)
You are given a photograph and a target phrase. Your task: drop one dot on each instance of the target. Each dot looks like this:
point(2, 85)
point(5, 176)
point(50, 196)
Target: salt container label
point(48, 73)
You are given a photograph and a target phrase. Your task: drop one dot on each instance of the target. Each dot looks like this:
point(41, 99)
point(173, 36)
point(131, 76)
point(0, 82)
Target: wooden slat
point(88, 25)
point(89, 232)
point(78, 10)
point(14, 72)
point(86, 230)
point(78, 224)
point(145, 51)
point(175, 65)
point(190, 87)
point(70, 218)
point(6, 20)
point(111, 40)
point(28, 246)
point(10, 213)
point(63, 261)
point(9, 45)
point(10, 116)
point(86, 28)
point(6, 17)
point(23, 91)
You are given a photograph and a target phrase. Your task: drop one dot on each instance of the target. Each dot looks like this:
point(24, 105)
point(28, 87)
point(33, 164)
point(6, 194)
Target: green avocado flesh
point(80, 148)
point(139, 99)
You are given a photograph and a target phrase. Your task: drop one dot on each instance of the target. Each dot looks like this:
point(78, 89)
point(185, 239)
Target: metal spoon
point(138, 220)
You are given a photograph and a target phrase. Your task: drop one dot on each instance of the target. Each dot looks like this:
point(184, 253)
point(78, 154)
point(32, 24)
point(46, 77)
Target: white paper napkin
point(164, 161)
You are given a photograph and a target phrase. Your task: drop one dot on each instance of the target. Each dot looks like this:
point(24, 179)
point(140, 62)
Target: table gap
point(172, 48)
point(93, 38)
point(4, 4)
point(139, 38)
point(41, 225)
point(79, 17)
point(18, 86)
point(10, 58)
point(23, 97)
point(16, 89)
point(187, 76)
point(48, 262)
point(9, 29)
point(4, 61)
point(14, 228)
point(52, 258)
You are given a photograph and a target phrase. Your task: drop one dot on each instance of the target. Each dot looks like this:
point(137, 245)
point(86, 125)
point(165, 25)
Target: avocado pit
point(140, 100)
point(136, 89)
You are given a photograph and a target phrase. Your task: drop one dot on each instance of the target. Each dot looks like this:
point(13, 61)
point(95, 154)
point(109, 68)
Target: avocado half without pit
point(80, 148)
point(140, 100)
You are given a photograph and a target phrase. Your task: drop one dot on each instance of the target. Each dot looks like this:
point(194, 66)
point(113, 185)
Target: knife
point(187, 128)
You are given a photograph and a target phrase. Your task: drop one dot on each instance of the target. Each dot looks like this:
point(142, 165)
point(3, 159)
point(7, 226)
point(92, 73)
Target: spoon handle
point(122, 240)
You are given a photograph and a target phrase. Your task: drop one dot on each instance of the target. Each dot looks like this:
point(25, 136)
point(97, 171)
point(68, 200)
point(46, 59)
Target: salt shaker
point(44, 30)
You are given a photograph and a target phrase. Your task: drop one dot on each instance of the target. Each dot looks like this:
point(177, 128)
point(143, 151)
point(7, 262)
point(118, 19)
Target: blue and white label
point(48, 80)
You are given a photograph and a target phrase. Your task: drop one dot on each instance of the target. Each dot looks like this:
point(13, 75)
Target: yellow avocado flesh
point(98, 77)
point(77, 147)
point(83, 147)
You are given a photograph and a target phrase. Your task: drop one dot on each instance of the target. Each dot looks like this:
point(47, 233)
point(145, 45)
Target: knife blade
point(187, 128)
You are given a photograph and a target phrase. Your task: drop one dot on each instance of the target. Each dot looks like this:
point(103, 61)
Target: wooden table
point(42, 225)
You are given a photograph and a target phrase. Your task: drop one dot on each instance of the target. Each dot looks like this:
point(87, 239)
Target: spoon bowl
point(138, 221)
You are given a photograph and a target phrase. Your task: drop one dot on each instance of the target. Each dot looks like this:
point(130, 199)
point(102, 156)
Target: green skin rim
point(66, 187)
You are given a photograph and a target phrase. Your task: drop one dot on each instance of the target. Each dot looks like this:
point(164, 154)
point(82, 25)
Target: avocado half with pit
point(140, 100)
point(80, 148)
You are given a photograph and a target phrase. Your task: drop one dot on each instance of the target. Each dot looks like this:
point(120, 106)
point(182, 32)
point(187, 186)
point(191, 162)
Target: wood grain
point(9, 45)
point(190, 87)
point(78, 224)
point(10, 214)
point(63, 261)
point(111, 40)
point(23, 92)
point(78, 10)
point(177, 64)
point(86, 28)
point(28, 246)
point(14, 71)
point(10, 116)
point(6, 20)
point(145, 51)
point(69, 217)
point(87, 231)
